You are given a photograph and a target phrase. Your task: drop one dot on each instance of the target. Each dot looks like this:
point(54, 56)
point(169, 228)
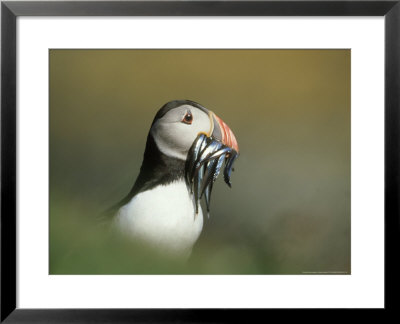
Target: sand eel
point(185, 150)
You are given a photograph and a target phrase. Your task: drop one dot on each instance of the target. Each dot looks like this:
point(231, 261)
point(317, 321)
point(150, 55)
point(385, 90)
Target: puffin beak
point(223, 133)
point(206, 158)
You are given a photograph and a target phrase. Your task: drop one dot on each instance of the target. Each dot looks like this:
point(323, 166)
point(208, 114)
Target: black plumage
point(157, 169)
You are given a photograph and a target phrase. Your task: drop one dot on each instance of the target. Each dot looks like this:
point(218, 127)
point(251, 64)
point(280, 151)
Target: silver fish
point(208, 175)
point(204, 144)
point(203, 165)
point(228, 168)
point(211, 147)
point(197, 186)
point(192, 157)
point(223, 151)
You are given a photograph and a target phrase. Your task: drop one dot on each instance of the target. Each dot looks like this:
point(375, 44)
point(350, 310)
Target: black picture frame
point(10, 10)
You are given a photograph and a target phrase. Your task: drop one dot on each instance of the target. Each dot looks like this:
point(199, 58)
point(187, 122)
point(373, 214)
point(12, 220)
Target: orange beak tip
point(228, 138)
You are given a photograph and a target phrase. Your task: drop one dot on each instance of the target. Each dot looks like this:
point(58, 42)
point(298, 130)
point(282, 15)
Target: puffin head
point(178, 123)
point(186, 131)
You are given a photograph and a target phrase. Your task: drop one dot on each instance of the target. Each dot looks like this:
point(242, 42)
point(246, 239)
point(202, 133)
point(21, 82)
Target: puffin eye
point(188, 118)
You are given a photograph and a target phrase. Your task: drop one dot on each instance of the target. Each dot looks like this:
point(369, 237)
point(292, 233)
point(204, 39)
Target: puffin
point(186, 148)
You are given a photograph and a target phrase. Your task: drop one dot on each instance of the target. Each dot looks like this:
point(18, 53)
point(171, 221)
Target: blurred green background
point(288, 211)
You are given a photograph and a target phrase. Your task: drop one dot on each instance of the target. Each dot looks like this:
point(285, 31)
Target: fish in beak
point(206, 158)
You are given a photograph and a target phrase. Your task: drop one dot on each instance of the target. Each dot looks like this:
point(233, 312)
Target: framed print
point(197, 161)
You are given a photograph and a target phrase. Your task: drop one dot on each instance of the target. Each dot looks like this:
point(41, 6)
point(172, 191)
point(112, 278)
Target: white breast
point(164, 217)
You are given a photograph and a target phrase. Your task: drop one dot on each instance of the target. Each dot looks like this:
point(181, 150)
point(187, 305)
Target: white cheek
point(175, 139)
point(172, 139)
